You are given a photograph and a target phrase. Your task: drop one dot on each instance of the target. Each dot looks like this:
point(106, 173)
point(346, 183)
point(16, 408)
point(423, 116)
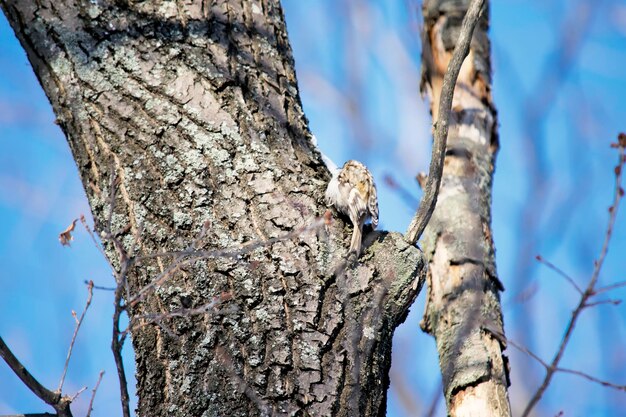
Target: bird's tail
point(357, 234)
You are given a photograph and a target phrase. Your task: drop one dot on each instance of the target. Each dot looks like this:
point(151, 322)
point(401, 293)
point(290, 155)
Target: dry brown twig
point(79, 321)
point(93, 394)
point(56, 399)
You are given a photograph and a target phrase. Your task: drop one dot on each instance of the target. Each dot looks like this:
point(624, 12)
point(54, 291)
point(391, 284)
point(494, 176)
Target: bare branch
point(429, 200)
point(600, 302)
point(80, 391)
point(60, 403)
point(593, 379)
point(101, 287)
point(590, 290)
point(93, 237)
point(117, 343)
point(93, 394)
point(528, 352)
point(560, 272)
point(405, 393)
point(610, 287)
point(565, 370)
point(76, 329)
point(118, 338)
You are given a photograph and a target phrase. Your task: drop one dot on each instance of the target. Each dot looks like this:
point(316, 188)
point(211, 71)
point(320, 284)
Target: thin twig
point(600, 302)
point(429, 200)
point(434, 402)
point(187, 256)
point(589, 291)
point(117, 340)
point(117, 343)
point(405, 195)
point(76, 329)
point(560, 272)
point(528, 352)
point(101, 287)
point(593, 379)
point(566, 370)
point(93, 394)
point(92, 235)
point(404, 392)
point(80, 391)
point(151, 318)
point(610, 287)
point(112, 190)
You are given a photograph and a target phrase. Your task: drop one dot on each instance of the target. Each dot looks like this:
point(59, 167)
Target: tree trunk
point(463, 310)
point(190, 110)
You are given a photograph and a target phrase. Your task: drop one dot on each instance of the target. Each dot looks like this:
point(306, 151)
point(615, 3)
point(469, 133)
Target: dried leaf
point(65, 237)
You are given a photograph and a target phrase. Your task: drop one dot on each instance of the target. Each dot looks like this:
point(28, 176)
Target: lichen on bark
point(191, 112)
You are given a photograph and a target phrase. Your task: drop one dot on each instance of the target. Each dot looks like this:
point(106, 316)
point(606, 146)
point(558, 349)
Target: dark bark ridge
point(194, 109)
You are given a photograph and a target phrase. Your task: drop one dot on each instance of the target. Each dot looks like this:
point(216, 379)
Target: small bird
point(352, 191)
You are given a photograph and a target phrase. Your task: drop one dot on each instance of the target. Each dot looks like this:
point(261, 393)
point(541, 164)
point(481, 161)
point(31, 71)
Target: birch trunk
point(463, 309)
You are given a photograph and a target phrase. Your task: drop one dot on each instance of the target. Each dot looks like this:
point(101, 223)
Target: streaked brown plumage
point(353, 192)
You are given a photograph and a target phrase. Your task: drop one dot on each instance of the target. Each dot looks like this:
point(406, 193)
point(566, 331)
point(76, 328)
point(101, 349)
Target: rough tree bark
point(463, 310)
point(193, 106)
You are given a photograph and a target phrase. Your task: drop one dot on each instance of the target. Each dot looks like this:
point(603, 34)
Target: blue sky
point(358, 68)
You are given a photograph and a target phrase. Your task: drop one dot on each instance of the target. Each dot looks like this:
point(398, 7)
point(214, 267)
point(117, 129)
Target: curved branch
point(431, 191)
